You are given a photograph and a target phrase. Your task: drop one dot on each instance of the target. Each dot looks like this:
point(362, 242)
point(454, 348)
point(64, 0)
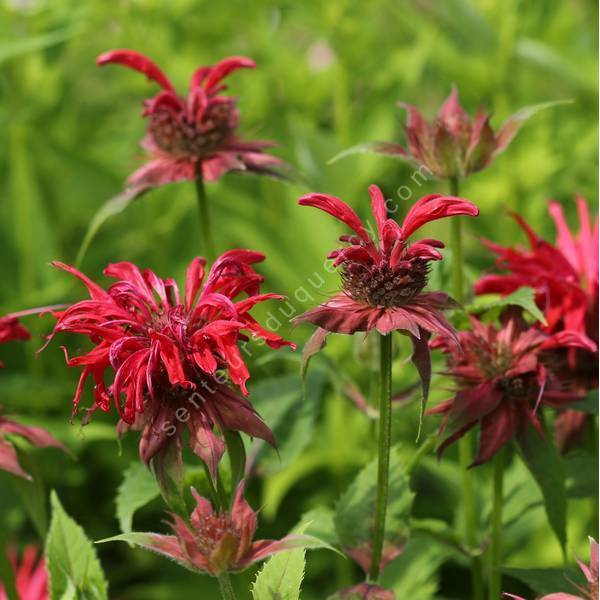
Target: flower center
point(185, 135)
point(383, 285)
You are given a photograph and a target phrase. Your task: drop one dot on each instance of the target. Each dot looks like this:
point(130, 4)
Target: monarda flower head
point(193, 136)
point(217, 541)
point(503, 376)
point(175, 359)
point(452, 145)
point(383, 281)
point(564, 276)
point(31, 576)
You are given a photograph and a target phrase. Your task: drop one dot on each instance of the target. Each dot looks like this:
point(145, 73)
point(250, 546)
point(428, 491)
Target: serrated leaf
point(71, 560)
point(281, 576)
point(136, 490)
point(355, 510)
point(523, 297)
point(547, 467)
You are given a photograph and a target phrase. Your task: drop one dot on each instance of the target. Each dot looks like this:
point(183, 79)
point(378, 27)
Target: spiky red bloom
point(168, 352)
point(31, 577)
point(590, 592)
point(193, 136)
point(215, 542)
point(11, 329)
point(502, 377)
point(383, 282)
point(453, 144)
point(565, 278)
point(564, 275)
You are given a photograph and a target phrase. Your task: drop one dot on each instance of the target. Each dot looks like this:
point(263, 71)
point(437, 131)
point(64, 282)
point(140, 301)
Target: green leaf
point(589, 404)
point(7, 573)
point(523, 297)
point(321, 523)
point(548, 469)
point(168, 471)
point(110, 208)
point(24, 45)
point(548, 581)
point(73, 567)
point(414, 574)
point(281, 576)
point(582, 474)
point(385, 148)
point(355, 510)
point(136, 490)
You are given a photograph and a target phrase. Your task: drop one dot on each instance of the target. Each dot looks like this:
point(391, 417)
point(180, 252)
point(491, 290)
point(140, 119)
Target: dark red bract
point(193, 136)
point(173, 357)
point(503, 376)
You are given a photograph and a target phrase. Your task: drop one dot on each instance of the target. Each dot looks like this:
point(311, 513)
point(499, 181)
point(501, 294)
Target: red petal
point(138, 62)
point(224, 68)
point(433, 207)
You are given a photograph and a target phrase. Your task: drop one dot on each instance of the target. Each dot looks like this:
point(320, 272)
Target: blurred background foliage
point(329, 75)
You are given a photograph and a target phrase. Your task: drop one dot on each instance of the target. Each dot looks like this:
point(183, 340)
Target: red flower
point(453, 144)
point(364, 591)
point(36, 436)
point(591, 575)
point(167, 352)
point(502, 378)
point(11, 329)
point(564, 275)
point(383, 283)
point(31, 577)
point(215, 542)
point(193, 136)
point(565, 279)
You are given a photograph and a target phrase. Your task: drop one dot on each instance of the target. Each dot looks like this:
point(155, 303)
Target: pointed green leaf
point(71, 559)
point(237, 457)
point(136, 490)
point(385, 148)
point(548, 581)
point(109, 209)
point(523, 297)
point(281, 576)
point(547, 467)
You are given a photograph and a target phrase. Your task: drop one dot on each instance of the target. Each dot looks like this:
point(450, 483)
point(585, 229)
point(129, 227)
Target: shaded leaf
point(548, 469)
point(547, 581)
point(71, 560)
point(137, 489)
point(523, 297)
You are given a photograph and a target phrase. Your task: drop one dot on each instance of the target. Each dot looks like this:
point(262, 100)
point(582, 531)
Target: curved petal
point(136, 61)
point(433, 207)
point(224, 67)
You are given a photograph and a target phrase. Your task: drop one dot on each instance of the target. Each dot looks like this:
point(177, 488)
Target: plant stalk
point(464, 444)
point(225, 586)
point(495, 587)
point(208, 247)
point(384, 444)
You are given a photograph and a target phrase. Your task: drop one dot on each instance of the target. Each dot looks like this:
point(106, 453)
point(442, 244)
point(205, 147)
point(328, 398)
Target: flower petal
point(138, 62)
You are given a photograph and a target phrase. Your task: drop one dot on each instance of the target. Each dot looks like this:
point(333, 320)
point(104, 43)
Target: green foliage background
point(329, 76)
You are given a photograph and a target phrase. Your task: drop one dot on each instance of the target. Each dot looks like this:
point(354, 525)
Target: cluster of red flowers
point(172, 356)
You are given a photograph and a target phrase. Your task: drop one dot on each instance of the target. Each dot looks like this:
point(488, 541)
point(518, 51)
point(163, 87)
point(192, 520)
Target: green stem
point(464, 444)
point(225, 586)
point(495, 588)
point(207, 241)
point(383, 464)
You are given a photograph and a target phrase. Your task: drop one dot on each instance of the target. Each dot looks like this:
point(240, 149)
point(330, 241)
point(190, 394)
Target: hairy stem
point(225, 586)
point(464, 444)
point(383, 464)
point(208, 247)
point(495, 588)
